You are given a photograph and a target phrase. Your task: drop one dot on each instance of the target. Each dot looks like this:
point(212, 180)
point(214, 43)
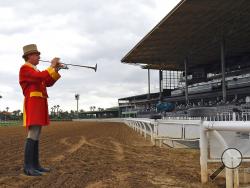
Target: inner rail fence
point(224, 116)
point(214, 134)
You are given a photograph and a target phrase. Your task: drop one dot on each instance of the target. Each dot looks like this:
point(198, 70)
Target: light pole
point(77, 96)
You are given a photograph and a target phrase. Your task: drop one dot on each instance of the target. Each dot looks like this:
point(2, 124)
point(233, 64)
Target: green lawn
point(10, 123)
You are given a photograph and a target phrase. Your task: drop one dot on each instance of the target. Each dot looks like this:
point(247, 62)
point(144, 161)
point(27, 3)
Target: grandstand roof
point(194, 29)
point(142, 96)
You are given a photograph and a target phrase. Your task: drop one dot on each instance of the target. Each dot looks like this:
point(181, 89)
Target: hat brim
point(31, 52)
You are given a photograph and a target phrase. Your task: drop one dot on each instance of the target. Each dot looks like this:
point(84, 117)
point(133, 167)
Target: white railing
point(117, 120)
point(213, 129)
point(177, 129)
point(160, 130)
point(143, 126)
point(203, 130)
point(224, 116)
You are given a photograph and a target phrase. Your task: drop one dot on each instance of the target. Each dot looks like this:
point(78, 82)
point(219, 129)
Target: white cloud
point(80, 32)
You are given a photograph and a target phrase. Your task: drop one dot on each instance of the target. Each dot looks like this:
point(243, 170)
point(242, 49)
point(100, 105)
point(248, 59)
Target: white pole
point(140, 127)
point(236, 178)
point(229, 178)
point(145, 131)
point(151, 132)
point(203, 154)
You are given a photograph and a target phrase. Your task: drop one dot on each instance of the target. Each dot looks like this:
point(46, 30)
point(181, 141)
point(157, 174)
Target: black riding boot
point(28, 159)
point(37, 165)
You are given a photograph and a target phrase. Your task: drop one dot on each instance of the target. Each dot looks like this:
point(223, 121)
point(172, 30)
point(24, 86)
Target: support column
point(148, 84)
point(203, 154)
point(186, 81)
point(170, 80)
point(167, 79)
point(160, 84)
point(224, 94)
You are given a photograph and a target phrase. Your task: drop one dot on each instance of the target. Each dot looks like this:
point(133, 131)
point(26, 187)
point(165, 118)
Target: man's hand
point(55, 62)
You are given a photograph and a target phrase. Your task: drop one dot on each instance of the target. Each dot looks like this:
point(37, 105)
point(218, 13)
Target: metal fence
point(215, 135)
point(167, 129)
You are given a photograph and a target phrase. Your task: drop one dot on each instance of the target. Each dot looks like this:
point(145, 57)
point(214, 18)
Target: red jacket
point(34, 83)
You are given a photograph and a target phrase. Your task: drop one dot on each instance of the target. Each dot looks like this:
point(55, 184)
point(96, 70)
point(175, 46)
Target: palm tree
point(14, 113)
point(55, 109)
point(52, 110)
point(57, 106)
point(18, 112)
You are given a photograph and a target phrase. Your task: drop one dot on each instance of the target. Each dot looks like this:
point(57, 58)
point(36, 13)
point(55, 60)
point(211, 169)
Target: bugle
point(65, 65)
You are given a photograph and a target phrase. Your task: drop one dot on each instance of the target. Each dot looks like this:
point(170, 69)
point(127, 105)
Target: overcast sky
point(82, 32)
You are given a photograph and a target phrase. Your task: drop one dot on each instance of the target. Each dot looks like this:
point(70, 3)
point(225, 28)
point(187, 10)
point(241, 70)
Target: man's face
point(34, 58)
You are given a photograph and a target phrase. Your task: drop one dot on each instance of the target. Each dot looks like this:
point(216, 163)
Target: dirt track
point(97, 155)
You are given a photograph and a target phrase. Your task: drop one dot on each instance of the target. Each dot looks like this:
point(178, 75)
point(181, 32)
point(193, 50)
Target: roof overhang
point(194, 29)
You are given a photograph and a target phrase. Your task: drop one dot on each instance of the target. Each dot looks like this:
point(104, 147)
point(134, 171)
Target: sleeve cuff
point(55, 75)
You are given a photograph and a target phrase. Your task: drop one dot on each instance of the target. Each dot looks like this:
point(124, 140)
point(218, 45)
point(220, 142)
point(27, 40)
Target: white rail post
point(135, 124)
point(137, 129)
point(131, 125)
point(229, 178)
point(155, 130)
point(145, 130)
point(236, 178)
point(203, 153)
point(141, 128)
point(151, 132)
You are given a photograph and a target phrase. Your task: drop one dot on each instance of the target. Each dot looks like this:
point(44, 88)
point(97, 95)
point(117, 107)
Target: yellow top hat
point(30, 49)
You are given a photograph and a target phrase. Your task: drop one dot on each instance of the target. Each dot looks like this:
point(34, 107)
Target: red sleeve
point(30, 75)
point(49, 82)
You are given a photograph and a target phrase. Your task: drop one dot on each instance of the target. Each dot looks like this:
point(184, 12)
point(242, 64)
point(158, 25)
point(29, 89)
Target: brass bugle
point(75, 65)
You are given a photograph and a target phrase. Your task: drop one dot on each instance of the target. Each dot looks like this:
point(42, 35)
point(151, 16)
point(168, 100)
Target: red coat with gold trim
point(34, 83)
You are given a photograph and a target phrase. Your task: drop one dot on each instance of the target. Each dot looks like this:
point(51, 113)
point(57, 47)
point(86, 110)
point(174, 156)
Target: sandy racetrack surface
point(97, 155)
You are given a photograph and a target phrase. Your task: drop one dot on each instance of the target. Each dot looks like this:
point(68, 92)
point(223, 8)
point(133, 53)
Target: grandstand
point(201, 50)
point(101, 113)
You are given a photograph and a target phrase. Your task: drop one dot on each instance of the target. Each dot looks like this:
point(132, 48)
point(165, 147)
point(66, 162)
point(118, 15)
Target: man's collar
point(31, 65)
